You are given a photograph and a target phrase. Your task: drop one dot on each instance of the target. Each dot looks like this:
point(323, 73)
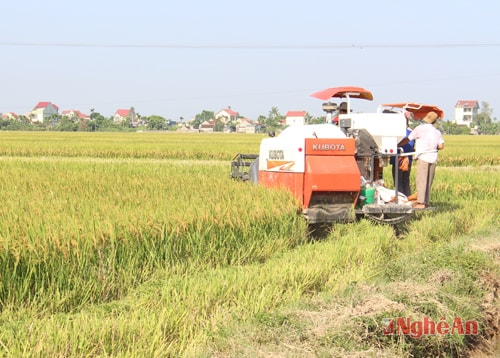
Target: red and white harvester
point(336, 172)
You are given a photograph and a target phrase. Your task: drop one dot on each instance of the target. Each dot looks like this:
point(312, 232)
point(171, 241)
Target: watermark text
point(426, 326)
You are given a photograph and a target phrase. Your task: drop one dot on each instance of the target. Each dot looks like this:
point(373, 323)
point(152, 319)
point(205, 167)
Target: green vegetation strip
point(440, 281)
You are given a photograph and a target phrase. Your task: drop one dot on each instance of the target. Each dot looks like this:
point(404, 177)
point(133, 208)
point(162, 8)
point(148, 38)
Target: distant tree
point(484, 116)
point(219, 125)
point(66, 124)
point(126, 123)
point(261, 124)
point(261, 119)
point(13, 125)
point(483, 121)
point(448, 127)
point(273, 119)
point(133, 117)
point(4, 123)
point(156, 123)
point(52, 120)
point(100, 123)
point(84, 125)
point(491, 128)
point(317, 120)
point(24, 119)
point(202, 117)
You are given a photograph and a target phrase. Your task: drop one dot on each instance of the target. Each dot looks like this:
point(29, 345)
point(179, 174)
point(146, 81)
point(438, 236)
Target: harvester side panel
point(387, 129)
point(330, 174)
point(292, 181)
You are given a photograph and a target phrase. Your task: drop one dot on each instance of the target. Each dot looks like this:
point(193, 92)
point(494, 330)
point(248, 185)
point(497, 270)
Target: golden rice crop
point(98, 216)
point(151, 145)
point(459, 150)
point(470, 151)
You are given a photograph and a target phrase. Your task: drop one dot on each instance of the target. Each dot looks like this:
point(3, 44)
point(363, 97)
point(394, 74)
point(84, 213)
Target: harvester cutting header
point(336, 171)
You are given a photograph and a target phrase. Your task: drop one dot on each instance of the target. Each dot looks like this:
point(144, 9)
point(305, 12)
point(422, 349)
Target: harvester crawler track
point(391, 214)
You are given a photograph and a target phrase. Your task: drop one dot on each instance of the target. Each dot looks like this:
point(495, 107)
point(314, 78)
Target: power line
point(249, 46)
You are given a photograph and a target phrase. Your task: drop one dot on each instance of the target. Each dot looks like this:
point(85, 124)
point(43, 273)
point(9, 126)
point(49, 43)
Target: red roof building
point(121, 114)
point(45, 105)
point(227, 115)
point(43, 110)
point(295, 118)
point(10, 115)
point(465, 111)
point(75, 114)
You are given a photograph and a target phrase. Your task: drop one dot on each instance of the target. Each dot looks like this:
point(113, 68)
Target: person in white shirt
point(428, 140)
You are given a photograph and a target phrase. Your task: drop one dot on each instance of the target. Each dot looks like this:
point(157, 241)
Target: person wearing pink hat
point(428, 140)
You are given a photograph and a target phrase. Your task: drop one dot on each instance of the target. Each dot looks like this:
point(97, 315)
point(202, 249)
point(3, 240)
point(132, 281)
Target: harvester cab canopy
point(417, 110)
point(346, 92)
point(386, 130)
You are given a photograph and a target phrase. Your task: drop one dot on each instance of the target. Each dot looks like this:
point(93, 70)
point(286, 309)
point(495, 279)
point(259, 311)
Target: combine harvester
point(336, 172)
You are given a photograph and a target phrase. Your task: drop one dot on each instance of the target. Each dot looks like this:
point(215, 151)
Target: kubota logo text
point(328, 146)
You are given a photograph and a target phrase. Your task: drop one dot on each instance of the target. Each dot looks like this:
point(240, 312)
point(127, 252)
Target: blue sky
point(178, 58)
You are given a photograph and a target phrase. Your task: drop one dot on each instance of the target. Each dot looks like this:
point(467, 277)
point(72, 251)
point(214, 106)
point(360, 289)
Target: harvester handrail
point(412, 153)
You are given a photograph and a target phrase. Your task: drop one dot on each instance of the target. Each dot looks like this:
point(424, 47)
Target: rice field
point(139, 244)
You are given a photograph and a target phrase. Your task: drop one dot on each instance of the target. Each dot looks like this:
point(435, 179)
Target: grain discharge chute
point(335, 171)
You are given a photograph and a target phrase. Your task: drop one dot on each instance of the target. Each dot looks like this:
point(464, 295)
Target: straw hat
point(431, 118)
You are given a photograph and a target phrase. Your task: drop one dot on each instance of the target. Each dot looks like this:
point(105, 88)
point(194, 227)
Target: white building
point(74, 114)
point(227, 115)
point(246, 125)
point(43, 110)
point(465, 111)
point(295, 118)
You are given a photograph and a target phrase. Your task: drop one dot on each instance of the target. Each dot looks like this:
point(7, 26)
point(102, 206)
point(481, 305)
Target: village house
point(465, 111)
point(121, 115)
point(74, 115)
point(207, 126)
point(295, 118)
point(10, 116)
point(227, 115)
point(246, 125)
point(42, 111)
